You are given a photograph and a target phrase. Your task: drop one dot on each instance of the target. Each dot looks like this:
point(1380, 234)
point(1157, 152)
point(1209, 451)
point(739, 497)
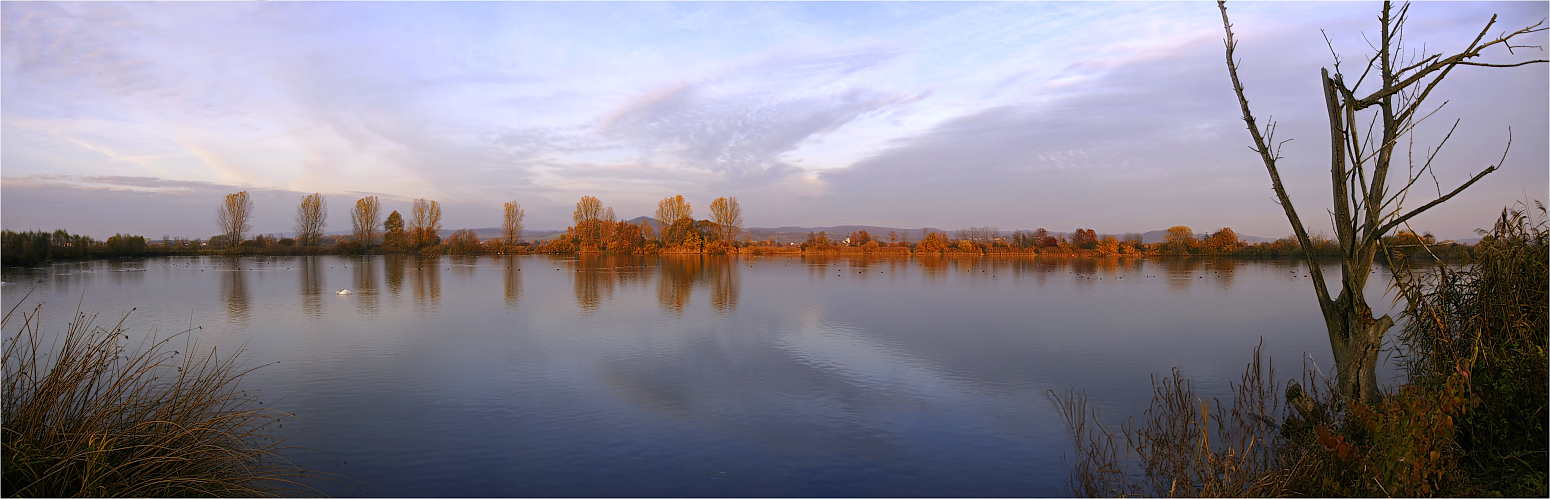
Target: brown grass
point(92, 418)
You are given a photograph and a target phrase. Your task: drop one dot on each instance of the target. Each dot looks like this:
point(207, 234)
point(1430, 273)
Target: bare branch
point(1315, 271)
point(1490, 65)
point(1390, 226)
point(1448, 63)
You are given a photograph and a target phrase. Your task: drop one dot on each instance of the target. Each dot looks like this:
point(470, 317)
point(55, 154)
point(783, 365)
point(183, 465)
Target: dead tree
point(1365, 131)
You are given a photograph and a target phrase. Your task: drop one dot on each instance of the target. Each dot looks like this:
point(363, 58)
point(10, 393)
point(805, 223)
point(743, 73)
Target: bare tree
point(1365, 131)
point(235, 217)
point(364, 218)
point(979, 234)
point(311, 217)
point(511, 229)
point(425, 224)
point(728, 217)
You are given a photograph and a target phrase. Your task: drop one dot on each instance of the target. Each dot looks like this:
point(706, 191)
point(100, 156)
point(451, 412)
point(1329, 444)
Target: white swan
point(343, 292)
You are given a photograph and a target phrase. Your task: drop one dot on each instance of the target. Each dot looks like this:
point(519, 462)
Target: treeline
point(596, 229)
point(33, 247)
point(1085, 242)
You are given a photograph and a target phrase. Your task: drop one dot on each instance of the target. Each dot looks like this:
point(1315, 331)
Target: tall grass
point(92, 418)
point(1486, 322)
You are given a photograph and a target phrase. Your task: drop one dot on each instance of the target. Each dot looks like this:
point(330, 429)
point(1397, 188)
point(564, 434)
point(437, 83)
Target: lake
point(702, 376)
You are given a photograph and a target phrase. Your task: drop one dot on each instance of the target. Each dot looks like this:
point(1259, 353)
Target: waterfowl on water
point(343, 292)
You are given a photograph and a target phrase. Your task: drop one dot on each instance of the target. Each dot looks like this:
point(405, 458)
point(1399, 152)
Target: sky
point(140, 117)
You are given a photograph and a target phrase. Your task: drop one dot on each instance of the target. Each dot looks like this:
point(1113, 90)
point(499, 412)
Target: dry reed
point(1181, 448)
point(92, 418)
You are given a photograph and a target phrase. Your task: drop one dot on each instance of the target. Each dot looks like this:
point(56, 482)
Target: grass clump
point(92, 418)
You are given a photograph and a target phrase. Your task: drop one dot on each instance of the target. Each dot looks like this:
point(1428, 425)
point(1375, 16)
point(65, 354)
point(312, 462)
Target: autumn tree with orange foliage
point(1222, 242)
point(363, 220)
point(588, 217)
point(1084, 238)
point(1180, 240)
point(425, 223)
point(677, 219)
point(728, 217)
point(933, 243)
point(463, 242)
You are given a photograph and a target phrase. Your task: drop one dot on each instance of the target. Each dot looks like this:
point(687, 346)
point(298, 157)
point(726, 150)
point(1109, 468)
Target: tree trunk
point(1356, 337)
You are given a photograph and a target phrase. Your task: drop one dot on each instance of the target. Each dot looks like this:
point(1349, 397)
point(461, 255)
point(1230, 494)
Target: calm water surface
point(701, 376)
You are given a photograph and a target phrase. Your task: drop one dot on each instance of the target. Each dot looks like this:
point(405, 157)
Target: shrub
point(463, 242)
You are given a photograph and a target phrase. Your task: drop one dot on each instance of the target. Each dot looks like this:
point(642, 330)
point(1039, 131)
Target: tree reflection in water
point(933, 266)
point(594, 280)
point(311, 285)
point(394, 268)
point(676, 284)
point(1180, 272)
point(513, 280)
point(427, 283)
point(724, 285)
point(234, 290)
point(365, 283)
point(1222, 270)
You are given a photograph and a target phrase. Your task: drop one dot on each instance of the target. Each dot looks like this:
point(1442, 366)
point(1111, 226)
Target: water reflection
point(234, 289)
point(1221, 271)
point(677, 281)
point(394, 265)
point(365, 283)
point(128, 272)
point(934, 267)
point(1028, 266)
point(1179, 272)
point(311, 285)
point(464, 267)
point(596, 277)
point(870, 265)
point(513, 280)
point(724, 285)
point(594, 280)
point(427, 283)
point(819, 265)
point(852, 386)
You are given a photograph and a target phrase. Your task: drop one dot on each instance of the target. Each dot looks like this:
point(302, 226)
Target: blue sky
point(139, 117)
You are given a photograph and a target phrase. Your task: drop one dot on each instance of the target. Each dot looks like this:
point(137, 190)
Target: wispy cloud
point(811, 113)
point(741, 123)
